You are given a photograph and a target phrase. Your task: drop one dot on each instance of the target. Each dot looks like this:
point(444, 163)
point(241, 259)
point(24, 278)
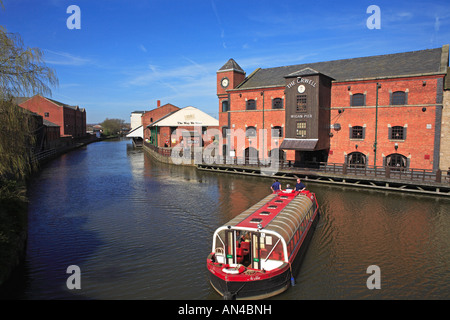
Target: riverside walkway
point(409, 180)
point(382, 178)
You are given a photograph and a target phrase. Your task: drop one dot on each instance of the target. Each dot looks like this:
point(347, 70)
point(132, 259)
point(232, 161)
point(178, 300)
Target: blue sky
point(129, 54)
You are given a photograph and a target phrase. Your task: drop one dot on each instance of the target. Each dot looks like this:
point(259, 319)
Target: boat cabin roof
point(280, 212)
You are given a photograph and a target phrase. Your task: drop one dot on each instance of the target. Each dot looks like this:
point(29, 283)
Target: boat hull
point(267, 285)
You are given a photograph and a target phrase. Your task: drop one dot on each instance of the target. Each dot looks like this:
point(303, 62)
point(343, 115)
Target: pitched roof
point(49, 124)
point(303, 72)
point(231, 65)
point(428, 61)
point(65, 105)
point(188, 116)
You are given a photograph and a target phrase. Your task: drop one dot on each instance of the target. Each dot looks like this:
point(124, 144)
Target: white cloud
point(64, 58)
point(144, 49)
point(437, 24)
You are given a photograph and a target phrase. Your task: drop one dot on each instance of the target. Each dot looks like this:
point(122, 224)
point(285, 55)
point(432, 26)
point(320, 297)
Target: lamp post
point(376, 128)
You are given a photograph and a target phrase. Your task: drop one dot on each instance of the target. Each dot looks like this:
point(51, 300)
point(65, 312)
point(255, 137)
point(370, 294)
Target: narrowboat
point(257, 254)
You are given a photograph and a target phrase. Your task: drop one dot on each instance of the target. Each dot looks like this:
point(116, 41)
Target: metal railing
point(368, 171)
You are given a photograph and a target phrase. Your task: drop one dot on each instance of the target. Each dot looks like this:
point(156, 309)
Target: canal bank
point(418, 182)
point(14, 212)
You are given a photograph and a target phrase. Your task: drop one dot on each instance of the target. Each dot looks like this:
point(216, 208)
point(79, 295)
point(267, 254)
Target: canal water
point(140, 229)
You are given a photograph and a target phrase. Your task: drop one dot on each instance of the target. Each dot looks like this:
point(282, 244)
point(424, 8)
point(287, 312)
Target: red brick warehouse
point(378, 110)
point(70, 119)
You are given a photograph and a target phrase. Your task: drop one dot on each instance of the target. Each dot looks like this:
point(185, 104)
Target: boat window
point(272, 207)
point(220, 240)
point(271, 248)
point(279, 201)
point(264, 213)
point(256, 220)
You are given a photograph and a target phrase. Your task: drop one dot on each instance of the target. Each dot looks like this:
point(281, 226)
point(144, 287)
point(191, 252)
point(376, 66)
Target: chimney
point(158, 103)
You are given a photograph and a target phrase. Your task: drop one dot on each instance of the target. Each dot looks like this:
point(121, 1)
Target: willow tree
point(23, 73)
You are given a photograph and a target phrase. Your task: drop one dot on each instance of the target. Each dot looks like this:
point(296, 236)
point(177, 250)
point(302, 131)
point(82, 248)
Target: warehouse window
point(357, 132)
point(397, 133)
point(398, 98)
point(301, 129)
point(356, 160)
point(358, 100)
point(301, 103)
point(251, 105)
point(225, 106)
point(277, 103)
point(397, 161)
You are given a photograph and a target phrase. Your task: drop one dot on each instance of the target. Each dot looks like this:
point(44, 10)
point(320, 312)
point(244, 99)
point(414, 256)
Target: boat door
point(230, 250)
point(238, 247)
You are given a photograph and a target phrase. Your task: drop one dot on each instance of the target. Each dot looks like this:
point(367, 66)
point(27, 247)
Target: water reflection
point(139, 229)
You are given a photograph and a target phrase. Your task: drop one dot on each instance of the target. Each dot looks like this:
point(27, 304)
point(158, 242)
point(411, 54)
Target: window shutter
point(350, 132)
point(404, 132)
point(390, 133)
point(364, 132)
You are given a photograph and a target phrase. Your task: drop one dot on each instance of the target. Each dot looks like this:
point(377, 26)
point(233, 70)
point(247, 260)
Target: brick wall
point(48, 110)
point(154, 115)
point(263, 117)
point(418, 146)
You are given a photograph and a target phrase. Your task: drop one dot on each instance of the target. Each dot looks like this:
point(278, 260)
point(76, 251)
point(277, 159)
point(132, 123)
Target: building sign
point(312, 83)
point(189, 123)
point(301, 116)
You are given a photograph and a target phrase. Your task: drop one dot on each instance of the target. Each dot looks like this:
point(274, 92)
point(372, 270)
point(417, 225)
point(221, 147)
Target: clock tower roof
point(231, 65)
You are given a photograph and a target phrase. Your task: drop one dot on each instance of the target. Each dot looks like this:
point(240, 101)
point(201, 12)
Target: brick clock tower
point(228, 77)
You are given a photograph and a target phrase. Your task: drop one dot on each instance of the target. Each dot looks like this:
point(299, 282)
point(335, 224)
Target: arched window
point(356, 160)
point(358, 100)
point(251, 105)
point(277, 132)
point(251, 155)
point(250, 132)
point(396, 160)
point(224, 132)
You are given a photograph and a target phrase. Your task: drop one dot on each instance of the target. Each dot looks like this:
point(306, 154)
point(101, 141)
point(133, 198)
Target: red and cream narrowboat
point(257, 254)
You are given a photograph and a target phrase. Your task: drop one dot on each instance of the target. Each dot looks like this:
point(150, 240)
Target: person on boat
point(276, 186)
point(299, 186)
point(288, 189)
